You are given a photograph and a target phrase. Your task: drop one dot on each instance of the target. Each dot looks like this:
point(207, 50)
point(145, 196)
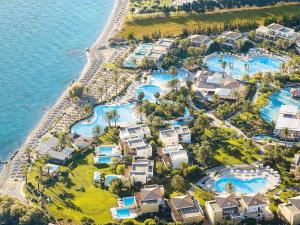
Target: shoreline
point(94, 57)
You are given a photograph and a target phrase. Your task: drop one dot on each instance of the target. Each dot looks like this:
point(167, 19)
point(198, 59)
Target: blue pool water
point(256, 64)
point(149, 91)
point(106, 150)
point(138, 54)
point(123, 213)
point(85, 128)
point(105, 159)
point(36, 63)
point(282, 97)
point(109, 178)
point(128, 201)
point(159, 79)
point(247, 186)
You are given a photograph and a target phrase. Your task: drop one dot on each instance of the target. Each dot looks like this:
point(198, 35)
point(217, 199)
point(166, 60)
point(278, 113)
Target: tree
point(161, 169)
point(28, 151)
point(229, 187)
point(124, 81)
point(115, 116)
point(97, 133)
point(140, 112)
point(173, 71)
point(100, 89)
point(140, 97)
point(116, 81)
point(116, 186)
point(285, 133)
point(76, 90)
point(157, 96)
point(87, 109)
point(108, 118)
point(203, 152)
point(62, 139)
point(177, 183)
point(173, 84)
point(120, 169)
point(223, 65)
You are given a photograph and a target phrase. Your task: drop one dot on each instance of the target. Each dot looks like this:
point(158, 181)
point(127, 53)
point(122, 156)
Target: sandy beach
point(98, 54)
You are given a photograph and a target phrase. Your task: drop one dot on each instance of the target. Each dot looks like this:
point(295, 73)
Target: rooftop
point(289, 109)
point(231, 35)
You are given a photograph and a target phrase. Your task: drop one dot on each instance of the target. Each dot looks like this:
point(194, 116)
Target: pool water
point(256, 64)
point(242, 186)
point(128, 201)
point(149, 92)
point(109, 178)
point(126, 116)
point(124, 213)
point(137, 55)
point(105, 159)
point(283, 97)
point(106, 150)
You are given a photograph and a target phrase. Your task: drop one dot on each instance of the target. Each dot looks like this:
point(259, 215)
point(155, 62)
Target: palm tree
point(87, 90)
point(62, 140)
point(116, 81)
point(157, 96)
point(87, 109)
point(28, 151)
point(105, 82)
point(223, 65)
point(229, 187)
point(97, 133)
point(37, 179)
point(124, 81)
point(285, 133)
point(177, 183)
point(140, 97)
point(115, 116)
point(108, 117)
point(173, 71)
point(140, 112)
point(100, 89)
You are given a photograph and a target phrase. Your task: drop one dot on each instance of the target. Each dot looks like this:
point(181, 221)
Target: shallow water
point(42, 47)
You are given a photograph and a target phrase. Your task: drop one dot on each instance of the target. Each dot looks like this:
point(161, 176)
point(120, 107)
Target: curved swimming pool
point(242, 186)
point(238, 67)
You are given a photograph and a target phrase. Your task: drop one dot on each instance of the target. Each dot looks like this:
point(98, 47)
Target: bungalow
point(209, 83)
point(174, 155)
point(230, 39)
point(288, 118)
point(141, 171)
point(276, 31)
point(200, 40)
point(231, 207)
point(186, 209)
point(175, 135)
point(290, 211)
point(295, 166)
point(136, 147)
point(141, 130)
point(150, 198)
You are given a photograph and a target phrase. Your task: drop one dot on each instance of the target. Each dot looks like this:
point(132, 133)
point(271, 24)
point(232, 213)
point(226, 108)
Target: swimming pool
point(106, 150)
point(85, 128)
point(236, 66)
point(124, 213)
point(242, 186)
point(139, 53)
point(283, 97)
point(149, 91)
point(128, 201)
point(105, 159)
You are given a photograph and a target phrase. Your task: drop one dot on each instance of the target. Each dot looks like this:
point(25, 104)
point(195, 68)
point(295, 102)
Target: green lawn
point(147, 24)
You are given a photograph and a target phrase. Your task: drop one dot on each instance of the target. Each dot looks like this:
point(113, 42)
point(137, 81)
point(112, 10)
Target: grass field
point(147, 24)
point(94, 202)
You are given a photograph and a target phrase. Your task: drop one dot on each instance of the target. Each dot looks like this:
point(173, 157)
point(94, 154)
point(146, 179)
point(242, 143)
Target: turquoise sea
point(38, 39)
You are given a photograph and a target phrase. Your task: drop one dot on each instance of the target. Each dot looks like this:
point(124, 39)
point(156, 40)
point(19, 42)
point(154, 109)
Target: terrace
point(173, 156)
point(141, 171)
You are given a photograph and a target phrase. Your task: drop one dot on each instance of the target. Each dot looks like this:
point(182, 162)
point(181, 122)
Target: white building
point(174, 156)
point(141, 130)
point(276, 31)
point(142, 171)
point(160, 49)
point(288, 118)
point(137, 147)
point(200, 40)
point(175, 135)
point(230, 39)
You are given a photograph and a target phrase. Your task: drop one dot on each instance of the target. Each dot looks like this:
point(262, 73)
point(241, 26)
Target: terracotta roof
point(151, 193)
point(228, 201)
point(184, 201)
point(257, 199)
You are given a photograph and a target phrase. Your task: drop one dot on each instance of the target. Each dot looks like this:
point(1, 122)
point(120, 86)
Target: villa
point(209, 83)
point(295, 166)
point(200, 40)
point(232, 207)
point(150, 198)
point(141, 130)
point(141, 171)
point(290, 211)
point(136, 147)
point(288, 118)
point(276, 31)
point(175, 135)
point(174, 155)
point(186, 209)
point(230, 39)
point(160, 49)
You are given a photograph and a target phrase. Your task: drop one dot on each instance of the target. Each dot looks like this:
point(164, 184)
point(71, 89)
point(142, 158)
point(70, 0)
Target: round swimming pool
point(238, 67)
point(242, 186)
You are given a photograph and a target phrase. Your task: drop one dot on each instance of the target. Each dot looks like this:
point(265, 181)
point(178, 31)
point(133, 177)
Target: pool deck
point(238, 171)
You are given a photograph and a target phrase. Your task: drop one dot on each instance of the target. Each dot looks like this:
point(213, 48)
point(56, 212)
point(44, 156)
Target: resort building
point(136, 147)
point(288, 118)
point(186, 209)
point(150, 198)
point(141, 130)
point(107, 154)
point(200, 40)
point(173, 156)
point(141, 171)
point(208, 83)
point(295, 166)
point(290, 211)
point(230, 39)
point(295, 92)
point(81, 142)
point(276, 31)
point(175, 135)
point(160, 49)
point(51, 170)
point(231, 207)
